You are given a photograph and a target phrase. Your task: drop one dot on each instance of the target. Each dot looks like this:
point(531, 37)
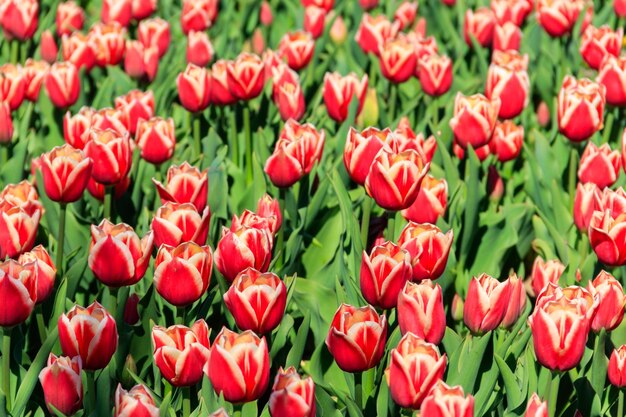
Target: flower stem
point(6, 365)
point(90, 389)
point(246, 128)
point(61, 238)
point(112, 307)
point(234, 140)
point(15, 50)
point(552, 393)
point(41, 326)
point(393, 97)
point(186, 391)
point(4, 154)
point(280, 244)
point(196, 135)
point(573, 165)
point(358, 389)
point(391, 226)
point(180, 316)
point(620, 403)
point(365, 220)
point(108, 200)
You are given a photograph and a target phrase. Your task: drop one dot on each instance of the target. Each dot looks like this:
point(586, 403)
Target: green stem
point(61, 238)
point(6, 365)
point(196, 135)
point(15, 50)
point(90, 389)
point(112, 305)
point(365, 220)
point(620, 403)
point(108, 201)
point(246, 128)
point(234, 140)
point(180, 315)
point(280, 244)
point(41, 326)
point(436, 112)
point(572, 176)
point(4, 154)
point(186, 391)
point(358, 389)
point(367, 383)
point(599, 363)
point(552, 394)
point(393, 96)
point(391, 226)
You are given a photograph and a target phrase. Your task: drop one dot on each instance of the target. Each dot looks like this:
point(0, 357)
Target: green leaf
point(297, 350)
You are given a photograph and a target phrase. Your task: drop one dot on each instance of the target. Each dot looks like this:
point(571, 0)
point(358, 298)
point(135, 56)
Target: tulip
point(247, 247)
point(136, 105)
point(182, 273)
point(361, 149)
point(156, 139)
point(558, 17)
point(612, 75)
point(357, 337)
point(245, 76)
point(429, 248)
point(586, 303)
point(18, 289)
point(421, 312)
point(136, 402)
point(143, 8)
point(65, 172)
point(292, 395)
point(508, 80)
point(544, 273)
point(70, 17)
point(599, 165)
point(536, 407)
point(517, 303)
point(511, 11)
point(19, 19)
point(405, 14)
point(430, 203)
point(297, 150)
point(20, 194)
point(486, 303)
point(131, 312)
point(199, 49)
point(119, 11)
point(616, 369)
point(397, 60)
point(12, 85)
point(597, 43)
point(48, 47)
point(338, 32)
point(111, 155)
point(446, 401)
point(62, 84)
point(155, 32)
point(297, 49)
point(219, 413)
point(314, 20)
point(507, 140)
point(265, 14)
point(110, 119)
point(90, 333)
point(76, 127)
point(117, 257)
point(34, 73)
point(415, 367)
point(270, 209)
point(110, 43)
point(507, 37)
point(141, 62)
point(384, 273)
point(607, 199)
point(289, 99)
point(18, 227)
point(220, 93)
point(194, 88)
point(198, 15)
point(256, 300)
point(98, 190)
point(324, 4)
point(6, 124)
point(559, 329)
point(368, 4)
point(239, 366)
point(543, 114)
point(175, 223)
point(373, 32)
point(482, 152)
point(181, 352)
point(474, 119)
point(251, 219)
point(62, 384)
point(435, 74)
point(611, 296)
point(480, 25)
point(79, 49)
point(339, 91)
point(185, 184)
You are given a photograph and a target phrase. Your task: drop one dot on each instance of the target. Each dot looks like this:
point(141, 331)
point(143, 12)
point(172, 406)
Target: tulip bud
point(474, 119)
point(314, 20)
point(65, 172)
point(430, 203)
point(270, 209)
point(397, 60)
point(544, 273)
point(155, 32)
point(48, 47)
point(175, 223)
point(199, 49)
point(479, 24)
point(79, 49)
point(559, 17)
point(507, 37)
point(597, 43)
point(357, 337)
point(135, 105)
point(415, 367)
point(536, 407)
point(181, 352)
point(18, 287)
point(131, 313)
point(446, 401)
point(194, 88)
point(247, 247)
point(405, 14)
point(384, 273)
point(110, 43)
point(619, 7)
point(62, 385)
point(136, 402)
point(143, 8)
point(19, 19)
point(429, 248)
point(90, 333)
point(507, 140)
point(517, 302)
point(508, 80)
point(62, 84)
point(111, 155)
point(292, 396)
point(338, 31)
point(141, 62)
point(219, 413)
point(421, 312)
point(182, 273)
point(457, 308)
point(599, 165)
point(229, 368)
point(34, 73)
point(610, 310)
point(185, 184)
point(18, 227)
point(580, 108)
point(198, 15)
point(70, 17)
point(370, 112)
point(265, 14)
point(6, 124)
point(617, 368)
point(374, 32)
point(118, 243)
point(12, 85)
point(119, 11)
point(486, 303)
point(612, 75)
point(435, 74)
point(339, 92)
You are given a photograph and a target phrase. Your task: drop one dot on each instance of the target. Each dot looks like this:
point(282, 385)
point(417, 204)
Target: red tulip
point(136, 105)
point(131, 312)
point(507, 140)
point(599, 165)
point(62, 384)
point(544, 273)
point(76, 128)
point(181, 352)
point(297, 49)
point(256, 300)
point(339, 91)
point(6, 124)
point(247, 247)
point(79, 49)
point(507, 37)
point(384, 273)
point(18, 227)
point(90, 333)
point(62, 84)
point(536, 407)
point(429, 248)
point(480, 25)
point(199, 49)
point(48, 47)
point(374, 32)
point(585, 204)
point(18, 289)
point(297, 150)
point(117, 257)
point(182, 273)
point(405, 14)
point(405, 138)
point(435, 74)
point(265, 14)
point(20, 194)
point(34, 73)
point(140, 62)
point(110, 119)
point(110, 43)
point(198, 15)
point(251, 219)
point(610, 293)
point(19, 19)
point(270, 209)
point(616, 369)
point(612, 75)
point(486, 303)
point(176, 223)
point(357, 337)
point(559, 17)
point(619, 7)
point(586, 303)
point(70, 17)
point(111, 155)
point(12, 85)
point(414, 369)
point(508, 80)
point(314, 20)
point(65, 172)
point(597, 43)
point(513, 11)
point(368, 4)
point(361, 149)
point(136, 402)
point(324, 4)
point(421, 312)
point(220, 92)
point(474, 119)
point(397, 60)
point(194, 88)
point(614, 201)
point(143, 8)
point(45, 270)
point(292, 395)
point(245, 76)
point(155, 32)
point(219, 413)
point(430, 203)
point(239, 366)
point(156, 139)
point(185, 184)
point(446, 401)
point(119, 11)
point(97, 190)
point(517, 302)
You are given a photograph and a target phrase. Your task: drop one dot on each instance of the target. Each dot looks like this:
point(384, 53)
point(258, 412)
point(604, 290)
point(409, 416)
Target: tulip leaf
point(297, 350)
point(465, 363)
point(280, 337)
point(514, 396)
